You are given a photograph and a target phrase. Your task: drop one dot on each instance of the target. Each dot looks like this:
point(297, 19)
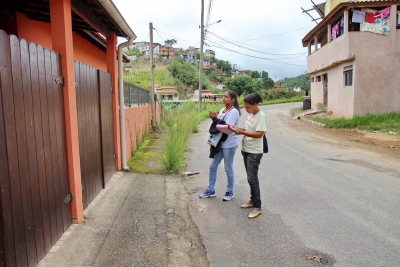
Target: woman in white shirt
point(230, 114)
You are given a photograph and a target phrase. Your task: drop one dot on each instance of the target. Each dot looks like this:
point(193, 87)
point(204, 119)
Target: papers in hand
point(224, 128)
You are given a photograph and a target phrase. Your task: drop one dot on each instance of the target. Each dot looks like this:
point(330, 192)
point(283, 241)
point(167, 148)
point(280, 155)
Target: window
point(312, 79)
point(398, 18)
point(319, 78)
point(348, 75)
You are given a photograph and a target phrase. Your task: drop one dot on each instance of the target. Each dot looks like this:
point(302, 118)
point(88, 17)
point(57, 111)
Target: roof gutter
point(112, 10)
point(122, 104)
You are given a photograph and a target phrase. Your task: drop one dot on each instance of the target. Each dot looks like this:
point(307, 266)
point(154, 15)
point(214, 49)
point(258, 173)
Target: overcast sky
point(254, 34)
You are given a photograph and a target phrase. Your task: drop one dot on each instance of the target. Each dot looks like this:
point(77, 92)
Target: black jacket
point(214, 131)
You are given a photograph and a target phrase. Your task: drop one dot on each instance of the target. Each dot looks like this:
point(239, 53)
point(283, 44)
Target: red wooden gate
point(33, 161)
point(96, 144)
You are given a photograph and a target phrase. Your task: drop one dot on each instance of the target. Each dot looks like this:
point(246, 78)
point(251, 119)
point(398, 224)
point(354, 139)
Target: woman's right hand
point(213, 114)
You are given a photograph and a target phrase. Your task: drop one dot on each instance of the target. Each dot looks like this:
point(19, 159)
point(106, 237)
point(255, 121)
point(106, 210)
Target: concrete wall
point(328, 54)
point(375, 86)
point(40, 33)
point(137, 124)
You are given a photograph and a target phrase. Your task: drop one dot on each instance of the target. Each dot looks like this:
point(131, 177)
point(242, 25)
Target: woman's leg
point(253, 162)
point(229, 154)
point(212, 176)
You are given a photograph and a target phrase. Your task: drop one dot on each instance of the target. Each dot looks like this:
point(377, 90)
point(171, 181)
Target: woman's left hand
point(234, 128)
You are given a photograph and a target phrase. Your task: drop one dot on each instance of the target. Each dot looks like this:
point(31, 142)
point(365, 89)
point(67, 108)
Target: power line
point(277, 34)
point(267, 59)
point(242, 42)
point(254, 50)
point(159, 34)
point(197, 42)
point(177, 37)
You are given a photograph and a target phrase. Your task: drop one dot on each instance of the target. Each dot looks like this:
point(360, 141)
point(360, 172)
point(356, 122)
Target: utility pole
point(201, 55)
point(152, 94)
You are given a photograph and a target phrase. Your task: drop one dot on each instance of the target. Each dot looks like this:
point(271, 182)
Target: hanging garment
point(398, 17)
point(379, 26)
point(384, 13)
point(341, 27)
point(335, 31)
point(358, 16)
point(370, 17)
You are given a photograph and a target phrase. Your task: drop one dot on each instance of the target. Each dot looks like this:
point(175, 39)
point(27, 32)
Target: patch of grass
point(181, 121)
point(385, 122)
point(297, 98)
point(146, 158)
point(142, 78)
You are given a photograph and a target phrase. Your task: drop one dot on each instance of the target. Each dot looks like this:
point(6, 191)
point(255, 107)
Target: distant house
point(220, 87)
point(277, 85)
point(188, 57)
point(166, 93)
point(209, 53)
point(355, 57)
point(164, 51)
point(143, 47)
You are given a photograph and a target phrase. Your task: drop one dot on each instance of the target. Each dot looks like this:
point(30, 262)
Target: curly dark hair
point(253, 98)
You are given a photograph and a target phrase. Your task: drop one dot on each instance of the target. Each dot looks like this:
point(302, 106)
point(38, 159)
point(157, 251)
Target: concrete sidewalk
point(137, 220)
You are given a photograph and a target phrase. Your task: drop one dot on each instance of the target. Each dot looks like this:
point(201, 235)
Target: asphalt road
point(320, 197)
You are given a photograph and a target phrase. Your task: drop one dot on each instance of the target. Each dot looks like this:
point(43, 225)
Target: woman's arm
point(243, 131)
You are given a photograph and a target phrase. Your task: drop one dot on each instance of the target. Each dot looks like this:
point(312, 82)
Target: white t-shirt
point(254, 123)
point(230, 117)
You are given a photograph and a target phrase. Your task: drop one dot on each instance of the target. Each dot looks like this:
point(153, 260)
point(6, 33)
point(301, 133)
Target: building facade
point(353, 55)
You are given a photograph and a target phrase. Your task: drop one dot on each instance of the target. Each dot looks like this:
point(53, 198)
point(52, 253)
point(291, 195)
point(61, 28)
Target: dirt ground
point(383, 143)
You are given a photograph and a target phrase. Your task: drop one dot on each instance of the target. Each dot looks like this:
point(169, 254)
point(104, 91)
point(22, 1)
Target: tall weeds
point(181, 122)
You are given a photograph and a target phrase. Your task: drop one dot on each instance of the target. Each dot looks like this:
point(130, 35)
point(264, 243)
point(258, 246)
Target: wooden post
point(61, 31)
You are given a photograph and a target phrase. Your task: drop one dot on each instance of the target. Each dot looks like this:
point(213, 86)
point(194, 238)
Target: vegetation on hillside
point(302, 81)
point(185, 77)
point(142, 78)
point(133, 52)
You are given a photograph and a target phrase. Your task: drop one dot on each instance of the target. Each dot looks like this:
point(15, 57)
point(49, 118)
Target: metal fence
point(135, 95)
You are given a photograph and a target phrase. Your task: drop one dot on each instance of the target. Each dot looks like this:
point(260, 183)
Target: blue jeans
point(227, 154)
point(251, 163)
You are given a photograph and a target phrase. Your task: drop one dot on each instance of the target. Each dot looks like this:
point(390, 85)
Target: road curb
point(302, 116)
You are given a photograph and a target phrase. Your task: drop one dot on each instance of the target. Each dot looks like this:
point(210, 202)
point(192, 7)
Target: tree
point(243, 84)
point(133, 52)
point(302, 81)
point(169, 43)
point(255, 75)
point(213, 75)
point(267, 81)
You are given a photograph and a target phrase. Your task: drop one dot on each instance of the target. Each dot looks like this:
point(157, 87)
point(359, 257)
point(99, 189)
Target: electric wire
point(226, 39)
point(267, 59)
point(197, 42)
point(254, 50)
point(242, 42)
point(159, 34)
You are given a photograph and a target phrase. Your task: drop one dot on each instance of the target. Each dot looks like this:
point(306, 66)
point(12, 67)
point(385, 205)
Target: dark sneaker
point(207, 194)
point(228, 196)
